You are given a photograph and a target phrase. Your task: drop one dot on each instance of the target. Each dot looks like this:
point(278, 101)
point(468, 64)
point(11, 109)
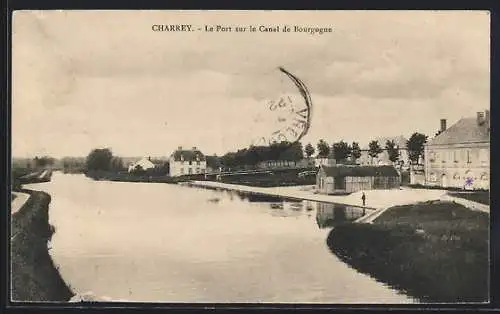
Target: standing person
point(363, 198)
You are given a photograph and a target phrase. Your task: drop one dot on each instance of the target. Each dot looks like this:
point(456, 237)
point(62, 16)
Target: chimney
point(179, 148)
point(194, 147)
point(443, 125)
point(480, 118)
point(149, 158)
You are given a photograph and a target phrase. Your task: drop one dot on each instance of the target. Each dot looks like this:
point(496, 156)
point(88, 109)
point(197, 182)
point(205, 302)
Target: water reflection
point(327, 215)
point(154, 242)
point(330, 215)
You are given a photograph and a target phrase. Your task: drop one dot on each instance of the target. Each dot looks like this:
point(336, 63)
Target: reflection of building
point(460, 155)
point(183, 162)
point(328, 215)
point(144, 164)
point(347, 179)
point(383, 157)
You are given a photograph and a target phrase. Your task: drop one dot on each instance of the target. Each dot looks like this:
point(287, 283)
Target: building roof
point(466, 130)
point(399, 140)
point(360, 171)
point(144, 163)
point(188, 155)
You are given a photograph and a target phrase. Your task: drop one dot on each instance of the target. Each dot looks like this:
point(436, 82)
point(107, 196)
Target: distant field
point(434, 251)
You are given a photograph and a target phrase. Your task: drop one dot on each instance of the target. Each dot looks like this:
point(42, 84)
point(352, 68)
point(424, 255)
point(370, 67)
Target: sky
point(91, 79)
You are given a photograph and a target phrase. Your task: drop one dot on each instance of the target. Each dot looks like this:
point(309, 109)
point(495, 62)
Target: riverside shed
point(343, 179)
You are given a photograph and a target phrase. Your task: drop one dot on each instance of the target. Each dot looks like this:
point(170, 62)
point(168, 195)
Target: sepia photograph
point(250, 157)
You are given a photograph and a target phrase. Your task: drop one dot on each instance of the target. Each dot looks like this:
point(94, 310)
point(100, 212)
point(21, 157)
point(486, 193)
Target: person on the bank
point(363, 198)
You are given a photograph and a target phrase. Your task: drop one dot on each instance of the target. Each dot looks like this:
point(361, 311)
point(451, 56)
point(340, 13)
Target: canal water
point(169, 243)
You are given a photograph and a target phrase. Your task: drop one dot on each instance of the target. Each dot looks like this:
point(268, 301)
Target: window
point(190, 162)
point(455, 155)
point(484, 155)
point(432, 156)
point(198, 170)
point(182, 170)
point(190, 170)
point(198, 162)
point(468, 157)
point(433, 177)
point(456, 176)
point(444, 156)
point(469, 175)
point(451, 156)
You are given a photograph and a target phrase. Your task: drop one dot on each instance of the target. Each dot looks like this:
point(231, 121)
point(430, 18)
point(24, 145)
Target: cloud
point(115, 82)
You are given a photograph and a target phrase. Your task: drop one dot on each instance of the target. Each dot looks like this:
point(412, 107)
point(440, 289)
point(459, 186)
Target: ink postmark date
point(291, 116)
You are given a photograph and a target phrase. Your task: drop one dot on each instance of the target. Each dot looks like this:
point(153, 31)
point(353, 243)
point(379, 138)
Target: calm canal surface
point(169, 243)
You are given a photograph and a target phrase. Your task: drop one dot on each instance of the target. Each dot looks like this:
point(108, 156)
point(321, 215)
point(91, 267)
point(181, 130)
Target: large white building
point(460, 155)
point(187, 161)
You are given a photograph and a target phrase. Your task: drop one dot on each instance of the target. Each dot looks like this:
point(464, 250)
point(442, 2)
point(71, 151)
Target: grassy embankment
point(133, 177)
point(284, 177)
point(482, 197)
point(433, 251)
point(437, 187)
point(34, 276)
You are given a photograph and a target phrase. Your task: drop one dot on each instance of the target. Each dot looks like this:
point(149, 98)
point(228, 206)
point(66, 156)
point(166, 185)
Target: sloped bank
point(34, 277)
point(433, 251)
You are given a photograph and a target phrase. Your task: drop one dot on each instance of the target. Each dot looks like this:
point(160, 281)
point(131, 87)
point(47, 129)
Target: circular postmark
point(290, 115)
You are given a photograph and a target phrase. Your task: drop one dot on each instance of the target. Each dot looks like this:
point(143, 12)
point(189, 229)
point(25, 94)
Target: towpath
point(377, 201)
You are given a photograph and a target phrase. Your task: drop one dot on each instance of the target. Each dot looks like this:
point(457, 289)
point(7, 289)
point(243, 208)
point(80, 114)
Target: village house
point(343, 179)
point(460, 155)
point(383, 157)
point(325, 161)
point(185, 161)
point(144, 164)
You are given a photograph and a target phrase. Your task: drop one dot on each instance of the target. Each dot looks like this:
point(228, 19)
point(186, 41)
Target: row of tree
point(102, 159)
point(342, 151)
point(40, 162)
point(252, 155)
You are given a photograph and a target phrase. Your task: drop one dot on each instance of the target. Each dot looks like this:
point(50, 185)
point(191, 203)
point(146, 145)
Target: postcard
point(250, 157)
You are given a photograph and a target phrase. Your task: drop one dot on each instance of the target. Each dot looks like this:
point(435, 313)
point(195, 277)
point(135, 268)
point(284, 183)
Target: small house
point(343, 179)
point(144, 164)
